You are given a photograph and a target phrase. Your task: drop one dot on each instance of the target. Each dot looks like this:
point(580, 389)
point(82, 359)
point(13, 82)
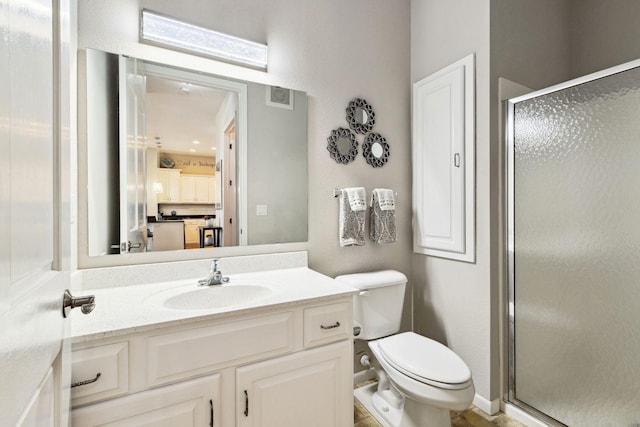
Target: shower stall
point(573, 245)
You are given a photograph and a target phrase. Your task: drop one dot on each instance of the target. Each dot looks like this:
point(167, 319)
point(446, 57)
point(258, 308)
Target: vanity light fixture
point(163, 30)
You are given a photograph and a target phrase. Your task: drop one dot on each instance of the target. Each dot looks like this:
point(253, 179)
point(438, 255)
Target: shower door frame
point(509, 104)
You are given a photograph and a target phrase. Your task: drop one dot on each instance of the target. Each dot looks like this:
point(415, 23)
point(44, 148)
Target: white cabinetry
point(214, 191)
point(191, 232)
point(305, 388)
point(193, 403)
point(294, 363)
point(195, 189)
point(170, 180)
point(443, 162)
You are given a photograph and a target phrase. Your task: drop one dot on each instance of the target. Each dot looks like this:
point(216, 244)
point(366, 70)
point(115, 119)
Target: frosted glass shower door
point(574, 247)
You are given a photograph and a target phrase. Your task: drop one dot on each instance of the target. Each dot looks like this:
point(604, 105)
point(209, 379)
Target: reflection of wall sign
point(194, 163)
point(198, 165)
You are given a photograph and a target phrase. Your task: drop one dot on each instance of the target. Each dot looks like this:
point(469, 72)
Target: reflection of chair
point(217, 235)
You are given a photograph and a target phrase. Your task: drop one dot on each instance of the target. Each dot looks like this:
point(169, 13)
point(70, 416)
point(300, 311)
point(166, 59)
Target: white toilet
point(419, 380)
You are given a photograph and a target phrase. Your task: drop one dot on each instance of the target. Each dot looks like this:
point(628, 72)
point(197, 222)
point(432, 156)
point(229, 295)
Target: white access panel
point(444, 162)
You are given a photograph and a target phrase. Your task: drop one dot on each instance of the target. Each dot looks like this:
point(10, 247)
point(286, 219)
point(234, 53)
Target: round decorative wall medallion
point(375, 150)
point(360, 116)
point(342, 145)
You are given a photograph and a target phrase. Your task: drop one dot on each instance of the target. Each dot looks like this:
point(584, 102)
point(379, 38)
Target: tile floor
point(472, 417)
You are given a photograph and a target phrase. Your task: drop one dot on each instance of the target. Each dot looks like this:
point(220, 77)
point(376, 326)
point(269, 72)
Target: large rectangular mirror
point(180, 160)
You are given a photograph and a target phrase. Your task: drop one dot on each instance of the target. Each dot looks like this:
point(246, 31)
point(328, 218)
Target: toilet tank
point(377, 309)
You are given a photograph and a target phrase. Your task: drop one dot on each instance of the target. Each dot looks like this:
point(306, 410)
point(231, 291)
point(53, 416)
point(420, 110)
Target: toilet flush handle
point(363, 293)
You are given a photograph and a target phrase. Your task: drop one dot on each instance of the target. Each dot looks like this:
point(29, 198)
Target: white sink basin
point(216, 297)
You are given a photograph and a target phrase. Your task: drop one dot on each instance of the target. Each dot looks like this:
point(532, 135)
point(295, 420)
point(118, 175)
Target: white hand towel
point(382, 224)
point(353, 206)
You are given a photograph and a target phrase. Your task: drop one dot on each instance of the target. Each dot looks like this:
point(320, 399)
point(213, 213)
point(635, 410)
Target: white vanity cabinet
point(265, 367)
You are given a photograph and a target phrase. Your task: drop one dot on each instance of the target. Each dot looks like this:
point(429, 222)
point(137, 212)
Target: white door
point(34, 210)
point(230, 224)
point(443, 162)
point(133, 212)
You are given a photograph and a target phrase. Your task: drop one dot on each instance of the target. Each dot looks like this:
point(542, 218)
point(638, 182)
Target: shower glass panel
point(574, 250)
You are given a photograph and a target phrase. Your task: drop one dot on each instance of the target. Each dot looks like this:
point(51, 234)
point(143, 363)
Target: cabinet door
point(170, 180)
point(311, 388)
point(211, 189)
point(201, 193)
point(187, 189)
point(190, 403)
point(191, 233)
point(443, 163)
point(164, 179)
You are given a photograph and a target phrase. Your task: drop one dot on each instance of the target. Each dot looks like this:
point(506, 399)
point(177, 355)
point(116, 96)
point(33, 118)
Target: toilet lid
point(425, 360)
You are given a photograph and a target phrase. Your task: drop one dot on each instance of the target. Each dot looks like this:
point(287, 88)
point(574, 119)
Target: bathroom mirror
point(375, 150)
point(360, 116)
point(193, 146)
point(342, 145)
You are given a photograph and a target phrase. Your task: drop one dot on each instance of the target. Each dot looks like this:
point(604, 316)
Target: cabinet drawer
point(182, 354)
point(99, 372)
point(326, 323)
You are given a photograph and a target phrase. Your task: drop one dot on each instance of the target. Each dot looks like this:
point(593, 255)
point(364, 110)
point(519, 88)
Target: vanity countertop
point(129, 309)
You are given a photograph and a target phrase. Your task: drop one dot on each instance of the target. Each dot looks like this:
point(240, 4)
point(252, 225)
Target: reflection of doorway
point(229, 184)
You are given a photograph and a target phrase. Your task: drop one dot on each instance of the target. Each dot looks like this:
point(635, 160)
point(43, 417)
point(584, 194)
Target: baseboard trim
point(522, 416)
point(361, 377)
point(491, 407)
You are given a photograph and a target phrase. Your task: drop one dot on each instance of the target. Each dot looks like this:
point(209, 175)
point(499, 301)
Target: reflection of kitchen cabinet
point(170, 180)
point(191, 234)
point(212, 189)
point(194, 189)
point(290, 364)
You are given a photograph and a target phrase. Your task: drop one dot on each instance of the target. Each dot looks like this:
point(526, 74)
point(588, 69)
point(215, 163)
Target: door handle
point(69, 302)
point(133, 245)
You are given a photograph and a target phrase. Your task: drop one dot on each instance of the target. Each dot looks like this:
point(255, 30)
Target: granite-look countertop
point(128, 309)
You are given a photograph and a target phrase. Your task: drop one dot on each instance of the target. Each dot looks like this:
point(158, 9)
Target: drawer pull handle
point(246, 404)
point(211, 406)
point(335, 325)
point(85, 382)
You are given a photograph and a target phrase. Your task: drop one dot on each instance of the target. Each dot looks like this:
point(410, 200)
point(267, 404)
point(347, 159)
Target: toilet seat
point(425, 360)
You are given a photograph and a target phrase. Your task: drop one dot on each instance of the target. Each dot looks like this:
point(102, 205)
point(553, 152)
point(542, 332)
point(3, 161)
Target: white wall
point(453, 300)
point(331, 49)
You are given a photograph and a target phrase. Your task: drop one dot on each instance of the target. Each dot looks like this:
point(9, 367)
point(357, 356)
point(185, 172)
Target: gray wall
point(454, 300)
point(276, 151)
point(603, 33)
point(530, 41)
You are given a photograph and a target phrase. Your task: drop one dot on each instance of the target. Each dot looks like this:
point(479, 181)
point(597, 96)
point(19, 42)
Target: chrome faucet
point(215, 277)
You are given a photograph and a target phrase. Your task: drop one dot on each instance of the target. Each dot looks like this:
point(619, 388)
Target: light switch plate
point(261, 210)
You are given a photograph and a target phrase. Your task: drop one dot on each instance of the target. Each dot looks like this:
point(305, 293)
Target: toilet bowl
point(419, 379)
